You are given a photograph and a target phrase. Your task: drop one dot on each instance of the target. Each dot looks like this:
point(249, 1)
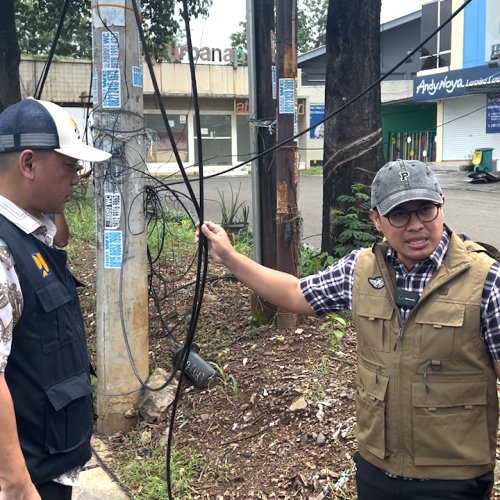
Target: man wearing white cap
point(46, 414)
point(426, 310)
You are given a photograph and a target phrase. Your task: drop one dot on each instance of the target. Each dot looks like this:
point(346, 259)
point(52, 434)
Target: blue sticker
point(136, 76)
point(113, 250)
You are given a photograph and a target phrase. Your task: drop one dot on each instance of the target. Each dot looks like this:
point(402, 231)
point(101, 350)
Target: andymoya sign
point(455, 83)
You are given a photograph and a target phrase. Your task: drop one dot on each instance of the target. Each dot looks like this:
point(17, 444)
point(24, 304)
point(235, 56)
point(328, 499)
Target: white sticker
point(112, 210)
point(182, 119)
point(113, 252)
point(110, 50)
point(104, 15)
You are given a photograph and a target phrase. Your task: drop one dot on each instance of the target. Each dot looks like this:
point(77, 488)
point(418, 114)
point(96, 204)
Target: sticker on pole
point(105, 13)
point(113, 249)
point(136, 76)
point(286, 96)
point(110, 75)
point(112, 210)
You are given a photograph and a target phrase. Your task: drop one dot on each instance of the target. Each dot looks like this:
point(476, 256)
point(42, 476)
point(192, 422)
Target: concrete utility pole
point(287, 218)
point(122, 295)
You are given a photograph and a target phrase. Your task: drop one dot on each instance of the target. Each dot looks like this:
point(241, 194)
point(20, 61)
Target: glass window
point(243, 135)
point(437, 51)
point(161, 147)
point(216, 140)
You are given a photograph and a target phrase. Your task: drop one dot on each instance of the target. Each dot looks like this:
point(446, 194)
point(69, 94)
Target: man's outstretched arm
point(281, 289)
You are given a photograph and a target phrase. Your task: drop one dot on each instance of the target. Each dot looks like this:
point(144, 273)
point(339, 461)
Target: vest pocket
point(449, 421)
point(438, 333)
point(68, 419)
point(371, 389)
point(54, 325)
point(372, 313)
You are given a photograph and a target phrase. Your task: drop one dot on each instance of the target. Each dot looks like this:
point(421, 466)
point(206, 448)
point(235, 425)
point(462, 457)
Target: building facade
point(460, 73)
point(224, 107)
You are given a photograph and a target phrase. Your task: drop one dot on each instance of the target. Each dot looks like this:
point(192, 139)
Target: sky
point(225, 16)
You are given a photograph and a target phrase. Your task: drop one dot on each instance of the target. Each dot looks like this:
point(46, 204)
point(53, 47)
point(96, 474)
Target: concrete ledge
point(95, 483)
point(450, 166)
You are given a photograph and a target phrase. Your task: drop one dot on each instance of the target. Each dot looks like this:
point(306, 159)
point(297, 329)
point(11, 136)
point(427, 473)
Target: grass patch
point(145, 475)
point(312, 171)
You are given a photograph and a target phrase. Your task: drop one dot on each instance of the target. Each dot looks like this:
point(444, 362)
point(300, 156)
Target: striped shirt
point(331, 289)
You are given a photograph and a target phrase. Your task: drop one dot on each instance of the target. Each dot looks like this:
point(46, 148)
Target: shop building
point(404, 122)
point(460, 73)
point(223, 97)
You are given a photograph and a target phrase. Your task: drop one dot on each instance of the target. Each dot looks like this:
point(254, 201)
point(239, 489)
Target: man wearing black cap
point(426, 309)
point(46, 412)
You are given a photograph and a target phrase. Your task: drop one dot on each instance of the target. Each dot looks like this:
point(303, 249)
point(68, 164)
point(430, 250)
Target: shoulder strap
point(479, 246)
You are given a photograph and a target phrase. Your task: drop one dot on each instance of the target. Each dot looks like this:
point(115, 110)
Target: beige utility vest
point(426, 401)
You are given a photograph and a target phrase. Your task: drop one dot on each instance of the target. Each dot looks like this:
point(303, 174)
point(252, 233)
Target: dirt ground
point(279, 422)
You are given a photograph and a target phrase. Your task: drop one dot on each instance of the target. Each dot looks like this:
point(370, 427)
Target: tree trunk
point(353, 149)
point(10, 57)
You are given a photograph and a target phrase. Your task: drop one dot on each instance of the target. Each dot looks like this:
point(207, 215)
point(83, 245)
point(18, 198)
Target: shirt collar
point(435, 258)
point(43, 229)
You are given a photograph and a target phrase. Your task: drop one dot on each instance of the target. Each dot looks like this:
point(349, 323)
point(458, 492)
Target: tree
point(311, 27)
point(10, 57)
point(353, 138)
point(29, 27)
point(37, 22)
point(311, 24)
point(239, 38)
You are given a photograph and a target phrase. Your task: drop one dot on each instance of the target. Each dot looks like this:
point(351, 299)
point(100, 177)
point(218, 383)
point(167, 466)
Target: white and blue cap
point(34, 124)
point(401, 181)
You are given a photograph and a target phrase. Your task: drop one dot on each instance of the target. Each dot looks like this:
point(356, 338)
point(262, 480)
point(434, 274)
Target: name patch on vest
point(377, 282)
point(41, 264)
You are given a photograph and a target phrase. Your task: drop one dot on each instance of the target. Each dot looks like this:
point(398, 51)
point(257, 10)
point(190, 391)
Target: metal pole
point(254, 143)
point(121, 274)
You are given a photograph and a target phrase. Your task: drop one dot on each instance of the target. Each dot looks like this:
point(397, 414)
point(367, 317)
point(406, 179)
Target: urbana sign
point(454, 83)
point(176, 53)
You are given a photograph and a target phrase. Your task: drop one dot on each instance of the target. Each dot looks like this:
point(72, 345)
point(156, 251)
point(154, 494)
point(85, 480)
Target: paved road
point(473, 209)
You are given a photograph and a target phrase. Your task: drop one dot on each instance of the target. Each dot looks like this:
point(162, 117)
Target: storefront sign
point(455, 83)
point(493, 114)
point(241, 106)
point(206, 54)
point(317, 113)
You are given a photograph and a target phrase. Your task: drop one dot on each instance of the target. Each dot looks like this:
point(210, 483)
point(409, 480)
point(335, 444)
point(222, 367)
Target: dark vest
point(426, 401)
point(48, 368)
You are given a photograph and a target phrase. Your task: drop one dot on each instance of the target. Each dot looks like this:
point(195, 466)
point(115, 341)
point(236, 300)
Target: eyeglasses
point(399, 217)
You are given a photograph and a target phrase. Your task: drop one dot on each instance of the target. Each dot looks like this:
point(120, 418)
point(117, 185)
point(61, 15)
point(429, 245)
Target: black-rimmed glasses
point(399, 217)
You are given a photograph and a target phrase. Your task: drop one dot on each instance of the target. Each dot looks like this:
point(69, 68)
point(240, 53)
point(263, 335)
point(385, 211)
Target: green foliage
point(311, 24)
point(243, 242)
point(334, 325)
point(37, 22)
point(311, 171)
point(233, 211)
point(80, 216)
point(146, 474)
point(311, 27)
point(352, 216)
point(312, 261)
point(171, 236)
point(227, 380)
point(239, 38)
